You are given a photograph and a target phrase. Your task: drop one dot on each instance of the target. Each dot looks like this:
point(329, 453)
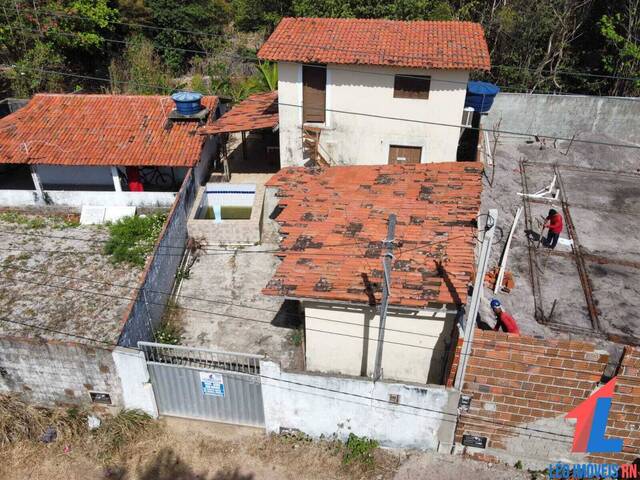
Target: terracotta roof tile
point(99, 130)
point(333, 223)
point(419, 44)
point(256, 112)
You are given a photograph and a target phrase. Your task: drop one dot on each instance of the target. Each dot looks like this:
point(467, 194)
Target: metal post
point(386, 290)
point(474, 302)
point(36, 181)
point(244, 146)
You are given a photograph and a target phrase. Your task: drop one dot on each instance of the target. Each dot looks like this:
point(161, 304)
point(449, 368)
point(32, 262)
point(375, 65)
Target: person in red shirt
point(133, 179)
point(504, 321)
point(554, 224)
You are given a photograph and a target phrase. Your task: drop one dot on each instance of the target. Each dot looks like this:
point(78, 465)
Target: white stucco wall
point(202, 170)
point(343, 340)
point(365, 140)
point(319, 405)
point(72, 198)
point(137, 391)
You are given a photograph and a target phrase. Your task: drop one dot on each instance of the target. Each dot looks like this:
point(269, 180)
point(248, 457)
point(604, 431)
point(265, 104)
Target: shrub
point(131, 239)
point(360, 450)
point(171, 329)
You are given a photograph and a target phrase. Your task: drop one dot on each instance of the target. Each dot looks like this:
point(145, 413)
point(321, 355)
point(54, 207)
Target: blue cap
point(495, 303)
point(186, 97)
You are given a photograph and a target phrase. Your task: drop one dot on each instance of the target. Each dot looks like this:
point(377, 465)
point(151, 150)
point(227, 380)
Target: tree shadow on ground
point(167, 465)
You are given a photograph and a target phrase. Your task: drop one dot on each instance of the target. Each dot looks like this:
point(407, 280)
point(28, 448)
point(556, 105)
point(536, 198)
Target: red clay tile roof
point(256, 112)
point(99, 130)
point(334, 222)
point(419, 44)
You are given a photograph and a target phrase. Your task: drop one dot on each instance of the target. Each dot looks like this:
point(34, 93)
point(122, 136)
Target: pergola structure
point(256, 112)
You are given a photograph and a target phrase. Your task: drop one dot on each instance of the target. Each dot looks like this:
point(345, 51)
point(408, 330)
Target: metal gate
point(205, 384)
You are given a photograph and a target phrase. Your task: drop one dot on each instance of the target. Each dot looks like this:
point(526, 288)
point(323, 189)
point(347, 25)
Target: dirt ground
point(190, 450)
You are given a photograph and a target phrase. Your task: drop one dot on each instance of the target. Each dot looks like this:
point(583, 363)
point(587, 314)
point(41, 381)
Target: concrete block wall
point(323, 405)
point(566, 115)
point(50, 373)
point(522, 388)
point(145, 312)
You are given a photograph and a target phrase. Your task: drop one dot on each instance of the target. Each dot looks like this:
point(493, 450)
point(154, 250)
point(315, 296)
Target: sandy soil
point(190, 450)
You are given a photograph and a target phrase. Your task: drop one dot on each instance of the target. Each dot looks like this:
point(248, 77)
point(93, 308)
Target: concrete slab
point(224, 306)
point(603, 189)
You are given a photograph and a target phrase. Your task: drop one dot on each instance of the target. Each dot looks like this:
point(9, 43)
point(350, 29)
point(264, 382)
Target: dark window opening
point(100, 397)
point(411, 86)
point(314, 89)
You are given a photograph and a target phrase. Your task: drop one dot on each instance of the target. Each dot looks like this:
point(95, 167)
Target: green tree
point(621, 32)
point(267, 76)
point(253, 15)
point(33, 72)
point(140, 70)
point(397, 10)
point(81, 25)
point(184, 26)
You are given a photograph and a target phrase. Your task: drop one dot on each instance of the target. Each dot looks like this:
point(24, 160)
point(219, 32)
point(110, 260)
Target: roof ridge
point(103, 95)
point(374, 20)
point(432, 44)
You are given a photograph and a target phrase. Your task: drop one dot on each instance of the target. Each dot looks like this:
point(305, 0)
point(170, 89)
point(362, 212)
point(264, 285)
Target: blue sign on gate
point(212, 384)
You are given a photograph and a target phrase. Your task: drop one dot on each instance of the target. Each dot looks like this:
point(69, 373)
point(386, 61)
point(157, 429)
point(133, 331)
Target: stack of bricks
point(518, 383)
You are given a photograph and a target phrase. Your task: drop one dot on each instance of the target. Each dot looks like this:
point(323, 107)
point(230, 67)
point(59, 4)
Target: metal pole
point(474, 303)
point(244, 146)
point(386, 290)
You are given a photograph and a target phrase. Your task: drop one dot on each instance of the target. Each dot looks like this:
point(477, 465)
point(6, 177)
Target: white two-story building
point(360, 91)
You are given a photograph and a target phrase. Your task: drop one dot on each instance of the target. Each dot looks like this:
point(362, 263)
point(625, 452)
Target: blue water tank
point(187, 103)
point(480, 95)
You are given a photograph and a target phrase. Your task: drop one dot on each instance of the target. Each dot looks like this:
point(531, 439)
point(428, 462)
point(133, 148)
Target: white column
point(36, 180)
point(116, 179)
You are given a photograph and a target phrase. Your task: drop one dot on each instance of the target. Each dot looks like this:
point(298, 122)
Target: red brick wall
point(516, 382)
point(453, 361)
point(624, 417)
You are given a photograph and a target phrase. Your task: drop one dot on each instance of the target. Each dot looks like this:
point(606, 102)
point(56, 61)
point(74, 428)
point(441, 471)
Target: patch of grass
point(183, 274)
point(32, 221)
point(115, 433)
point(24, 220)
point(359, 450)
point(171, 329)
point(20, 421)
point(70, 221)
point(131, 239)
point(296, 337)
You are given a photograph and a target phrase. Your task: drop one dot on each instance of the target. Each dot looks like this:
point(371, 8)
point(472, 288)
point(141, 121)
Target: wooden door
point(314, 88)
point(401, 155)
